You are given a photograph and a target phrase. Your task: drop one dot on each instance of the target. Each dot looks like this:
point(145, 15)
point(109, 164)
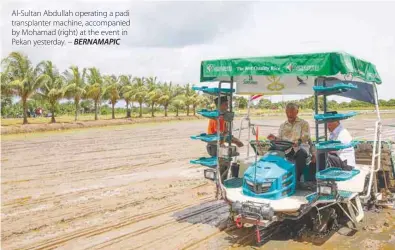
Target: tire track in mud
point(56, 242)
point(60, 218)
point(14, 203)
point(220, 238)
point(98, 192)
point(68, 161)
point(168, 226)
point(91, 209)
point(108, 155)
point(71, 139)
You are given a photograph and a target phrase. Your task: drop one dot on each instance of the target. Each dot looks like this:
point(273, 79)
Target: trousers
point(300, 158)
point(335, 161)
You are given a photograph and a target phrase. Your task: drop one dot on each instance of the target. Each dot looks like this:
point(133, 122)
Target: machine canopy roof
point(312, 65)
point(292, 74)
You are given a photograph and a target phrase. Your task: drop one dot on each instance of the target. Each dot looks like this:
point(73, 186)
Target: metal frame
point(354, 212)
point(229, 130)
point(377, 140)
point(376, 148)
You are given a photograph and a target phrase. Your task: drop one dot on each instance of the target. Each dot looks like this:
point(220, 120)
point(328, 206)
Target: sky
point(169, 39)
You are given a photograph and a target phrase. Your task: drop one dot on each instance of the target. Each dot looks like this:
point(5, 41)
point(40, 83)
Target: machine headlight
point(210, 174)
point(266, 184)
point(250, 183)
point(325, 190)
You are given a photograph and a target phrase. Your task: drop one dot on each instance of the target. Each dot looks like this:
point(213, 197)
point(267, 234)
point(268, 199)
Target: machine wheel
point(326, 222)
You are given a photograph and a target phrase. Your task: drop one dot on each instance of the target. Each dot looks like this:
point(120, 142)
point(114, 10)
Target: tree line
point(309, 104)
point(88, 89)
point(44, 83)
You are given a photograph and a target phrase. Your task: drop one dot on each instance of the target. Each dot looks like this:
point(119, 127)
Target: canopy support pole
point(249, 126)
point(317, 136)
point(219, 181)
point(376, 154)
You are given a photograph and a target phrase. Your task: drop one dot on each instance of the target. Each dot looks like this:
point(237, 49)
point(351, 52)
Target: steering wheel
point(281, 145)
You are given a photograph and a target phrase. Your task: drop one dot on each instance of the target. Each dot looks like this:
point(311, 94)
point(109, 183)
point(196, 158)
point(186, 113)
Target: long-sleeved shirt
point(342, 134)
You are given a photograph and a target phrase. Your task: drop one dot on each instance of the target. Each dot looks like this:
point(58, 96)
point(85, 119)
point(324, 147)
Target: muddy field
point(132, 187)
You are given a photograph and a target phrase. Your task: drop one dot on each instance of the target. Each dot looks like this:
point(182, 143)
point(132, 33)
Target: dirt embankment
point(29, 128)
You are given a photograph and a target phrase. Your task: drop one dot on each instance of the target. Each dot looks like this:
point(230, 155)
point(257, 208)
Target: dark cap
point(222, 100)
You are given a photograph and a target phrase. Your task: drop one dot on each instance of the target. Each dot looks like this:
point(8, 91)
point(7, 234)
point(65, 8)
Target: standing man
point(344, 158)
point(297, 131)
point(212, 127)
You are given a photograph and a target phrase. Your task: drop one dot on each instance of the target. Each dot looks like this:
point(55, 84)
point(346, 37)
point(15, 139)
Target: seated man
point(297, 131)
point(344, 158)
point(212, 127)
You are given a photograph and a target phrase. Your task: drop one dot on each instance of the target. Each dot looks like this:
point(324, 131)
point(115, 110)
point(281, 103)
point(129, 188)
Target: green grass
point(81, 118)
point(307, 113)
point(23, 136)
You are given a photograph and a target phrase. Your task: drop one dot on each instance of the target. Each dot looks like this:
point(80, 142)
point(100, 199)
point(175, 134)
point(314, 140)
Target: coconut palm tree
point(6, 92)
point(95, 87)
point(178, 103)
point(197, 100)
point(189, 96)
point(53, 89)
point(168, 94)
point(112, 92)
point(154, 93)
point(139, 92)
point(23, 78)
point(126, 90)
point(75, 86)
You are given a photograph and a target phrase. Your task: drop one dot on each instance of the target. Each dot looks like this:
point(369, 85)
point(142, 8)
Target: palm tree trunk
point(24, 103)
point(96, 118)
point(165, 110)
point(127, 109)
point(152, 109)
point(53, 114)
point(188, 110)
point(76, 110)
point(176, 111)
point(113, 109)
point(141, 109)
point(194, 110)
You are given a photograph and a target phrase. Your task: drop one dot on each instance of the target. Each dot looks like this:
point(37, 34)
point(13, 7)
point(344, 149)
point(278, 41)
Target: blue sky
point(170, 39)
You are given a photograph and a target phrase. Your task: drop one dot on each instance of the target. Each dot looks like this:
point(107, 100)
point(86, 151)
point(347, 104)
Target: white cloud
point(169, 40)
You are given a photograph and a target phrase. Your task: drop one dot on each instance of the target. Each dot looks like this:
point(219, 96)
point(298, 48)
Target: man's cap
point(222, 100)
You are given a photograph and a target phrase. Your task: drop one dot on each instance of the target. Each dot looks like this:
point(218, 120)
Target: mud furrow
point(89, 233)
point(183, 230)
point(55, 242)
point(80, 161)
point(91, 211)
point(171, 221)
point(50, 198)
